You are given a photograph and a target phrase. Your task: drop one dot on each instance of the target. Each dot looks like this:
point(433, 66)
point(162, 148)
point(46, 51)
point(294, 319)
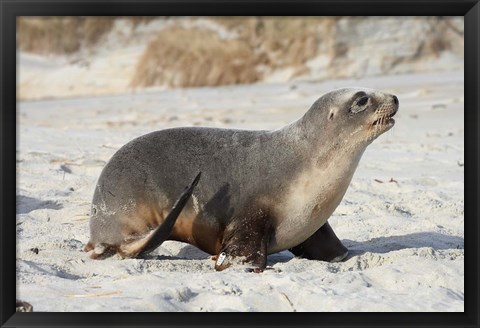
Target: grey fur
point(244, 172)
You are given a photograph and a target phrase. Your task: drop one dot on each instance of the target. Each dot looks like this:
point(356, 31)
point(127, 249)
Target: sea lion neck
point(308, 134)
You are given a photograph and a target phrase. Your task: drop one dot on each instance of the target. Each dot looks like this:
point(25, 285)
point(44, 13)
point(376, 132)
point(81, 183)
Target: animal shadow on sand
point(190, 252)
point(27, 204)
point(187, 252)
point(382, 245)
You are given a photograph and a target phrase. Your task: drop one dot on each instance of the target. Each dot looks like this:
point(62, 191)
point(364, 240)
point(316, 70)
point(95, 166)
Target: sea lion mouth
point(385, 120)
point(385, 117)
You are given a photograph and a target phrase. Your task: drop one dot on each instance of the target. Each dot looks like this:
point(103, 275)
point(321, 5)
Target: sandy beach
point(402, 217)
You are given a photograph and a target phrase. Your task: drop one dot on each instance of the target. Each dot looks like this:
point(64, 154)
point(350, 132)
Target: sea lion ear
point(331, 113)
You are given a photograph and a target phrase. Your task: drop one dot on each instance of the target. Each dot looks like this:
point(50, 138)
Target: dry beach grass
point(182, 57)
point(210, 51)
point(60, 35)
point(186, 57)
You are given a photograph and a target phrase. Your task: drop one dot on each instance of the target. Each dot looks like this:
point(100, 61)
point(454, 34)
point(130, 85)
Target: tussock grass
point(60, 35)
point(96, 27)
point(186, 54)
point(186, 57)
point(281, 41)
point(182, 57)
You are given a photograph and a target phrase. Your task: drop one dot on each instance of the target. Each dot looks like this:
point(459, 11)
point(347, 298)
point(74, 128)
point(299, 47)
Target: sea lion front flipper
point(323, 245)
point(246, 243)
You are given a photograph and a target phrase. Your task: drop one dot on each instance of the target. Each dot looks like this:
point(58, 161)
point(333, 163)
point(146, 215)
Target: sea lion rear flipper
point(323, 245)
point(163, 231)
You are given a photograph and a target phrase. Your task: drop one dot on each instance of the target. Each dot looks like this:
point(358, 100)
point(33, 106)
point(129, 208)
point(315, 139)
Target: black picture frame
point(11, 9)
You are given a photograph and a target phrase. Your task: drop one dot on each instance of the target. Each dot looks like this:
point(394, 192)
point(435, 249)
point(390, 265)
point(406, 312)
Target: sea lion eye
point(362, 101)
point(359, 105)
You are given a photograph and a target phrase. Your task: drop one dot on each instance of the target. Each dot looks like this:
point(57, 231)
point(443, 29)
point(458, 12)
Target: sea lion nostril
point(395, 100)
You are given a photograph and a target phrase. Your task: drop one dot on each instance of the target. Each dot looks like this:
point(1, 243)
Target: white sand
point(406, 237)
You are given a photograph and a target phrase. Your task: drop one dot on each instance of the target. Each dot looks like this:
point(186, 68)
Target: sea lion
point(261, 192)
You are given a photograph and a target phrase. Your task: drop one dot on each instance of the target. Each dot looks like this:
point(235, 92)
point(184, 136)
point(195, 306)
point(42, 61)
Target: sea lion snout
point(382, 119)
point(395, 105)
point(395, 100)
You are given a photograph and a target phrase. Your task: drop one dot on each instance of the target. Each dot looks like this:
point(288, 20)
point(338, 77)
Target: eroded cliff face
point(360, 47)
point(132, 54)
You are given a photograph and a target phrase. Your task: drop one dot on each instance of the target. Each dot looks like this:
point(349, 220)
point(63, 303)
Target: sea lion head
point(356, 115)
